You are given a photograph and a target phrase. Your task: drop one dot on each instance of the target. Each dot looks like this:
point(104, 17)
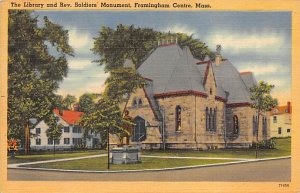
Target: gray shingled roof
point(230, 80)
point(172, 69)
point(248, 79)
point(150, 95)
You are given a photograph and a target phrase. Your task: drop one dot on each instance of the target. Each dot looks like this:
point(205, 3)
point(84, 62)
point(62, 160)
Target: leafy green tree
point(262, 101)
point(105, 117)
point(54, 131)
point(34, 73)
point(86, 102)
point(68, 101)
point(129, 42)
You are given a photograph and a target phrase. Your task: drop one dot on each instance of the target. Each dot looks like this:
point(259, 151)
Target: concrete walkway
point(236, 160)
point(18, 165)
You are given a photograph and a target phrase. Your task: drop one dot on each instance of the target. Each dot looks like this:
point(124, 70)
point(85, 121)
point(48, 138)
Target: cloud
point(181, 28)
point(80, 40)
point(262, 42)
point(80, 63)
point(260, 68)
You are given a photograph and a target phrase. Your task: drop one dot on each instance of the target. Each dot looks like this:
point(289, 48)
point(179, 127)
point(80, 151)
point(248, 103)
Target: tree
point(33, 73)
point(68, 101)
point(54, 131)
point(105, 117)
point(262, 101)
point(128, 42)
point(86, 102)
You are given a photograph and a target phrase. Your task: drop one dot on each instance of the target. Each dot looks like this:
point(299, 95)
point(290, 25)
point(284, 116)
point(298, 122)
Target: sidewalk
point(19, 165)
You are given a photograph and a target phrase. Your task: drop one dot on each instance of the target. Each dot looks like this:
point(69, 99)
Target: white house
point(72, 134)
point(280, 124)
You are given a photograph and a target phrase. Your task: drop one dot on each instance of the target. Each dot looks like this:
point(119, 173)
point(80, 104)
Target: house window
point(207, 119)
point(50, 141)
point(66, 129)
point(37, 130)
point(279, 130)
point(235, 125)
point(288, 130)
point(66, 140)
point(210, 91)
point(77, 129)
point(274, 119)
point(56, 141)
point(38, 141)
point(178, 118)
point(210, 119)
point(77, 141)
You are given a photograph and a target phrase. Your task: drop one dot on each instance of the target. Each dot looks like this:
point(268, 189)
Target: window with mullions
point(38, 141)
point(178, 118)
point(235, 125)
point(215, 120)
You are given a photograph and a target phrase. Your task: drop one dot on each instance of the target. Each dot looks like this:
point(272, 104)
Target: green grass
point(51, 156)
point(283, 148)
point(93, 164)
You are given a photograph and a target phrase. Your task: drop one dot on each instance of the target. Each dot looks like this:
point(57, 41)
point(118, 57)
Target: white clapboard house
point(72, 134)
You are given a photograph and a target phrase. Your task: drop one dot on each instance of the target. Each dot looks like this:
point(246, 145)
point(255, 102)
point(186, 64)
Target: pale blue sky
point(252, 41)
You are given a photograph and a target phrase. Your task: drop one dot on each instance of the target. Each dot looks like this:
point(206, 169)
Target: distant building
point(72, 134)
point(280, 121)
point(189, 103)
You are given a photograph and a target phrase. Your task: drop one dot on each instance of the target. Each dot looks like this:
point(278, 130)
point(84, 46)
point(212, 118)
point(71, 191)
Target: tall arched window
point(254, 126)
point(215, 120)
point(210, 119)
point(178, 118)
point(134, 103)
point(207, 119)
point(235, 125)
point(264, 126)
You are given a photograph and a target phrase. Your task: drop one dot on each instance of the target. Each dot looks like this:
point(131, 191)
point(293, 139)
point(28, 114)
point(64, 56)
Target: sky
point(253, 41)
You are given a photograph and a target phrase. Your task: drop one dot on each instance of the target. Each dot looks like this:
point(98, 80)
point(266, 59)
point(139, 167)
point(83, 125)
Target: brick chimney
point(288, 107)
point(218, 58)
point(61, 112)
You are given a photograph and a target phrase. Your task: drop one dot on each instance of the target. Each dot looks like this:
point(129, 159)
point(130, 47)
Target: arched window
point(140, 102)
point(254, 125)
point(134, 103)
point(207, 119)
point(264, 126)
point(210, 119)
point(178, 118)
point(235, 125)
point(215, 120)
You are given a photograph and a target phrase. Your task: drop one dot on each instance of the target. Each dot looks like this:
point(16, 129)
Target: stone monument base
point(125, 155)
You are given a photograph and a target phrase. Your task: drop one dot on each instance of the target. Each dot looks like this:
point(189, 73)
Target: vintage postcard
point(149, 96)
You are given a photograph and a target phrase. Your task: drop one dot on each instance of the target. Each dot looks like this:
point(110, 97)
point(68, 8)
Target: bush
point(264, 144)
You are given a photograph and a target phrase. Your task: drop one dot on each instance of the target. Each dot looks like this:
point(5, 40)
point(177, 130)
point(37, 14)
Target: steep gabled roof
point(248, 79)
point(172, 69)
point(71, 117)
point(231, 82)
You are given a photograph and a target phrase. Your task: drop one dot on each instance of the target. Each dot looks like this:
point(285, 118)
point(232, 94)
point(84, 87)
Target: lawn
point(50, 156)
point(283, 148)
point(100, 164)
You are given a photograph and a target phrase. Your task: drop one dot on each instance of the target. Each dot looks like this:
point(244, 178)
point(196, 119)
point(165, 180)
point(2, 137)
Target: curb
point(153, 170)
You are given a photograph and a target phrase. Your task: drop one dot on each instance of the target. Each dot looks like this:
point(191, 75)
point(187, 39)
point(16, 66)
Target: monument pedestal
point(125, 155)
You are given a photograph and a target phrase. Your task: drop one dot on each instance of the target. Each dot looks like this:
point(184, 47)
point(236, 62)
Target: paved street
point(272, 170)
